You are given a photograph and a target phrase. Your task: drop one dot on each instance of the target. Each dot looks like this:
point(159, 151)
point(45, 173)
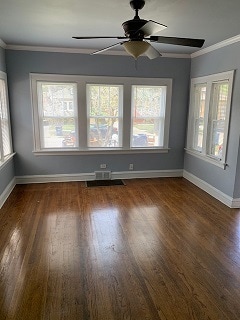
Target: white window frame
point(5, 158)
point(82, 133)
point(209, 82)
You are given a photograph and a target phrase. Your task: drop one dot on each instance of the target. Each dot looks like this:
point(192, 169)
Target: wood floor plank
point(155, 249)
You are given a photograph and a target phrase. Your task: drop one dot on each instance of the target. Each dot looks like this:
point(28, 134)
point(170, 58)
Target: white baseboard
point(236, 203)
point(7, 191)
point(91, 176)
point(147, 174)
point(54, 178)
point(214, 192)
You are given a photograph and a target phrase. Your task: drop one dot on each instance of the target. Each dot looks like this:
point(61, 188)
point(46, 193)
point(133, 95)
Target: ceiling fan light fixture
point(136, 48)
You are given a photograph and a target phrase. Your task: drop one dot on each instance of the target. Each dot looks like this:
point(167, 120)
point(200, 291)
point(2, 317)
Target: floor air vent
point(105, 183)
point(103, 175)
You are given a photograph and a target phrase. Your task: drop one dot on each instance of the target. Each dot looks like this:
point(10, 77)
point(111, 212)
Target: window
point(5, 132)
point(104, 116)
point(199, 102)
point(100, 114)
point(57, 114)
point(209, 116)
point(148, 115)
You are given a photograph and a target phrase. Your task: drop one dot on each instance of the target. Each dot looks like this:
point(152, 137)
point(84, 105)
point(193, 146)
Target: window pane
point(103, 132)
point(58, 132)
point(199, 109)
point(103, 100)
point(57, 105)
point(104, 109)
point(4, 119)
point(217, 119)
point(148, 115)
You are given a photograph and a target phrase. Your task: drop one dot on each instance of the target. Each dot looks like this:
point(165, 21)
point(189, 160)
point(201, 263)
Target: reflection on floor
point(153, 249)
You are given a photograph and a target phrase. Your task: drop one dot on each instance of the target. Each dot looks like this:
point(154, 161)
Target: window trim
point(5, 159)
point(209, 81)
point(82, 82)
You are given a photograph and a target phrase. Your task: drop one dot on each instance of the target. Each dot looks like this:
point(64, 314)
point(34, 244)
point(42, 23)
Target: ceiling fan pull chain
point(136, 64)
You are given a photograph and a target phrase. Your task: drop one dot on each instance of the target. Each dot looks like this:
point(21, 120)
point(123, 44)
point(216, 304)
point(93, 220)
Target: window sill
point(206, 158)
point(6, 160)
point(69, 152)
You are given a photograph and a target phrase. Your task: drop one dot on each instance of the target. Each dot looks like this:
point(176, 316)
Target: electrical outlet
point(103, 166)
point(131, 166)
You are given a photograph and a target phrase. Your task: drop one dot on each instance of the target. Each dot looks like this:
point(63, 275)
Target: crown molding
point(216, 46)
point(176, 55)
point(50, 49)
point(3, 44)
point(87, 51)
point(198, 53)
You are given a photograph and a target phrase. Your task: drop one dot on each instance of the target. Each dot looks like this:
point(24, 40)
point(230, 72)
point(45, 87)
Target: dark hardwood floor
point(153, 249)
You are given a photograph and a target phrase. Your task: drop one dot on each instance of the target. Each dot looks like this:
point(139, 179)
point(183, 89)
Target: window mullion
point(191, 113)
point(82, 98)
point(40, 118)
point(126, 116)
point(206, 118)
point(167, 114)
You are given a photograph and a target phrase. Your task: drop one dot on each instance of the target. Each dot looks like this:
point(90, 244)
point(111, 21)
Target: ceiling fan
point(139, 31)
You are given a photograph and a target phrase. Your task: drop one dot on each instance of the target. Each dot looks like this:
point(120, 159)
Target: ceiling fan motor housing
point(132, 29)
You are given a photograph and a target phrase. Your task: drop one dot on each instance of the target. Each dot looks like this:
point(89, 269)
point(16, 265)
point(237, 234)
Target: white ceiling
point(52, 23)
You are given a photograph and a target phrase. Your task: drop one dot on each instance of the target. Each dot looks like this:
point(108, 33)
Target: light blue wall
point(6, 172)
point(21, 63)
point(220, 60)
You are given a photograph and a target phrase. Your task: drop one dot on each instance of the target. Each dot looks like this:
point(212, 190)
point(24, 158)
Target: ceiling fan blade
point(86, 38)
point(151, 27)
point(107, 48)
point(178, 41)
point(152, 53)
